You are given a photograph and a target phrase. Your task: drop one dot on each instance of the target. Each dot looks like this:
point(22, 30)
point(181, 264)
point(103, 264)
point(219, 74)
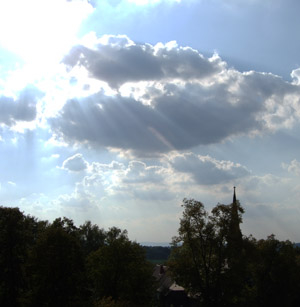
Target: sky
point(114, 111)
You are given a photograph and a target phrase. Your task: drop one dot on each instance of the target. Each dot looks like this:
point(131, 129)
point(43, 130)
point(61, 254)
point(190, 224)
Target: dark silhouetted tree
point(277, 273)
point(119, 270)
point(17, 234)
point(206, 257)
point(91, 237)
point(57, 266)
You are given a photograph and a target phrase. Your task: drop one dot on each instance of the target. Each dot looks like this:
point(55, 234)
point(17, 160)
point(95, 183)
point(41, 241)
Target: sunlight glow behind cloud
point(39, 29)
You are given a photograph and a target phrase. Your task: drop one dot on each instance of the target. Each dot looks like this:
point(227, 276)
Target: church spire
point(234, 196)
point(234, 235)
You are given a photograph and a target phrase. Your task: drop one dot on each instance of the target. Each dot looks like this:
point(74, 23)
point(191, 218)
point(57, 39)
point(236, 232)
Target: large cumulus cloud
point(116, 60)
point(185, 99)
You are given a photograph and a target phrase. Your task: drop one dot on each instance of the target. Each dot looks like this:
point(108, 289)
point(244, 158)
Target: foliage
point(109, 302)
point(215, 263)
point(17, 235)
point(277, 273)
point(91, 237)
point(198, 259)
point(57, 266)
point(119, 270)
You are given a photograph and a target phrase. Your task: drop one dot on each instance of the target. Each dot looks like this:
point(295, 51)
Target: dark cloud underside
point(119, 62)
point(191, 100)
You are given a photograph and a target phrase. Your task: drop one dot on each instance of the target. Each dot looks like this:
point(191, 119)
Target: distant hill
point(297, 244)
point(165, 244)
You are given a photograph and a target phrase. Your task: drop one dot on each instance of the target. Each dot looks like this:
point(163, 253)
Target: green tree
point(203, 258)
point(120, 271)
point(57, 266)
point(17, 235)
point(277, 273)
point(195, 261)
point(91, 237)
point(234, 276)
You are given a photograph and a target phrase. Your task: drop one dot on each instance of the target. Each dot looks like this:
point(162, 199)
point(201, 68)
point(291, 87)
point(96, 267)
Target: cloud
point(23, 108)
point(102, 121)
point(125, 3)
point(117, 181)
point(165, 115)
point(147, 2)
point(206, 170)
point(139, 172)
point(293, 167)
point(177, 175)
point(80, 199)
point(101, 167)
point(75, 163)
point(117, 60)
point(137, 180)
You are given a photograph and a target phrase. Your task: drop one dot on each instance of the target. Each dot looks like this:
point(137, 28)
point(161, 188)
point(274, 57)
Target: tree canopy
point(219, 266)
point(59, 264)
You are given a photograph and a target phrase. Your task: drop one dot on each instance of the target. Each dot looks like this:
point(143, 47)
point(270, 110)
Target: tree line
point(60, 264)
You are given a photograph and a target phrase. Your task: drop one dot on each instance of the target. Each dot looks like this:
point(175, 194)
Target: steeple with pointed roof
point(235, 234)
point(234, 196)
